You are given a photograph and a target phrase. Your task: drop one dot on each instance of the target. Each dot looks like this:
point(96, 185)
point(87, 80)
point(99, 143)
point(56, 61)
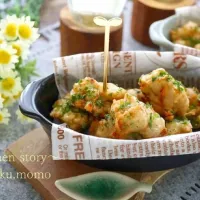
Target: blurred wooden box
point(145, 12)
point(78, 39)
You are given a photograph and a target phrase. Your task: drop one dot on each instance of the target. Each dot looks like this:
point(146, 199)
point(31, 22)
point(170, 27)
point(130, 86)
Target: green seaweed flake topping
point(153, 116)
point(89, 90)
point(148, 105)
point(124, 105)
point(99, 103)
point(76, 97)
point(182, 120)
point(192, 106)
point(80, 81)
point(179, 85)
point(107, 116)
point(154, 78)
point(66, 107)
point(162, 74)
point(134, 136)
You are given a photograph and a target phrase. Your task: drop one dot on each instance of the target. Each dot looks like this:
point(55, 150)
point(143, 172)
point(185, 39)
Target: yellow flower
point(22, 49)
point(2, 39)
point(8, 101)
point(1, 101)
point(22, 118)
point(9, 27)
point(7, 57)
point(10, 83)
point(26, 31)
point(4, 116)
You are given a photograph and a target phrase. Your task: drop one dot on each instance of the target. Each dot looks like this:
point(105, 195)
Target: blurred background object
point(146, 12)
point(22, 7)
point(84, 13)
point(78, 32)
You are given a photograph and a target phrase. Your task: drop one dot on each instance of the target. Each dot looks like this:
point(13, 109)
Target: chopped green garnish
point(66, 107)
point(138, 91)
point(154, 78)
point(134, 136)
point(107, 116)
point(99, 103)
point(84, 126)
point(169, 78)
point(124, 105)
point(185, 122)
point(179, 85)
point(193, 41)
point(76, 97)
point(181, 120)
point(192, 106)
point(152, 117)
point(163, 73)
point(148, 105)
point(80, 81)
point(89, 91)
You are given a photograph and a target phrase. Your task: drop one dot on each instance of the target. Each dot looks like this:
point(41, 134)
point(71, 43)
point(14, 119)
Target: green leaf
point(26, 71)
point(31, 8)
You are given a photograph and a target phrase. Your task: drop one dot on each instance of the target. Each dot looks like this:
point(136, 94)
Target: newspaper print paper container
point(120, 155)
point(160, 31)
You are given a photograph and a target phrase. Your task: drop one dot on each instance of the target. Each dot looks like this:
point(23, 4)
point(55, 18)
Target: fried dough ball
point(75, 119)
point(58, 108)
point(195, 121)
point(113, 92)
point(130, 115)
point(194, 99)
point(188, 34)
point(130, 119)
point(167, 95)
point(193, 113)
point(88, 95)
point(178, 126)
point(137, 93)
point(156, 124)
point(103, 128)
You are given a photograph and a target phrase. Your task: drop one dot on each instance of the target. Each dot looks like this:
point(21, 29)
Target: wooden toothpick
point(101, 21)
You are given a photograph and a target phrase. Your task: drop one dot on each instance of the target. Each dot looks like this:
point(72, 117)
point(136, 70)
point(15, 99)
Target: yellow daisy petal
point(7, 56)
point(26, 30)
point(1, 101)
point(9, 27)
point(10, 83)
point(8, 101)
point(22, 118)
point(4, 116)
point(22, 49)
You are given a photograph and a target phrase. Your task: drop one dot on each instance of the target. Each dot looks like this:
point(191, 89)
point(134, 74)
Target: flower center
point(25, 31)
point(5, 57)
point(1, 117)
point(8, 83)
point(1, 41)
point(18, 49)
point(11, 30)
